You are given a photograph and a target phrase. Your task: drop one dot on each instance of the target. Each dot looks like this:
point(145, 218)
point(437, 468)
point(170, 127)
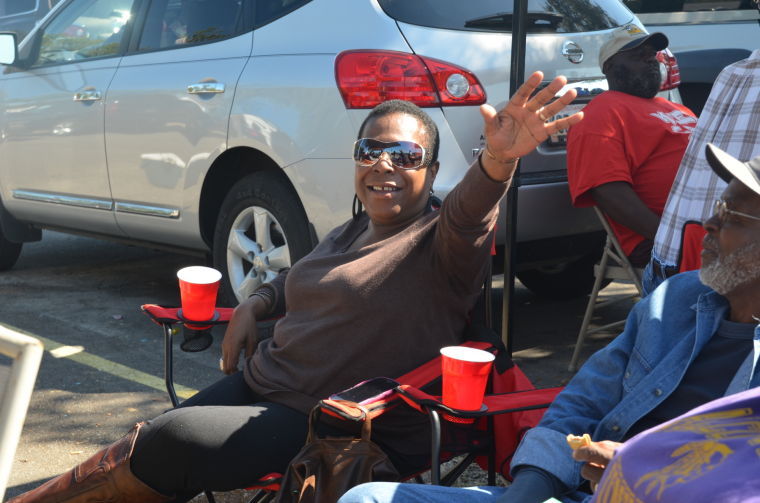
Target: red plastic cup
point(198, 286)
point(465, 375)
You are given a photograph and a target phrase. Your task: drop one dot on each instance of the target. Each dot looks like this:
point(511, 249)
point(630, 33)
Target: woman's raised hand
point(240, 335)
point(518, 128)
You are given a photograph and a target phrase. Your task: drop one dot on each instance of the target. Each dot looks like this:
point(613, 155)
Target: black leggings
point(225, 437)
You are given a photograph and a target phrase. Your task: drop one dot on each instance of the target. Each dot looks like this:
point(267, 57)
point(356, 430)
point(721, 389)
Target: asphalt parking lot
point(103, 366)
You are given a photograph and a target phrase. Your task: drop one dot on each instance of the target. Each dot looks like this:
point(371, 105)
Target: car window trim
point(139, 23)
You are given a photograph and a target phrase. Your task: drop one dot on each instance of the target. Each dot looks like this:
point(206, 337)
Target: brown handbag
point(325, 468)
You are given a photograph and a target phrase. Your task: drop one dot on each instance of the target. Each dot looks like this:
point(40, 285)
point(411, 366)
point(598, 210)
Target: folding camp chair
point(512, 405)
point(612, 265)
point(495, 429)
point(170, 318)
point(690, 258)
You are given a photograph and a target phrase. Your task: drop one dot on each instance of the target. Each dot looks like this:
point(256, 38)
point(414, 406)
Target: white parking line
point(81, 356)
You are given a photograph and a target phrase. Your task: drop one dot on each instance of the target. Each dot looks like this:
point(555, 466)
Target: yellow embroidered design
point(693, 459)
point(615, 489)
point(696, 459)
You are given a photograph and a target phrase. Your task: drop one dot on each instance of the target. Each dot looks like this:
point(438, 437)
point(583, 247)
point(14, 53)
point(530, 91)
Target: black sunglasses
point(402, 154)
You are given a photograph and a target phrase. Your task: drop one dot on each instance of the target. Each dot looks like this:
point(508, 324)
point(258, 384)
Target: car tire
point(9, 253)
point(261, 229)
point(564, 281)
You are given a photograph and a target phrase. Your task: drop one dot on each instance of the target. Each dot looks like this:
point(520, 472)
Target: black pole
point(516, 78)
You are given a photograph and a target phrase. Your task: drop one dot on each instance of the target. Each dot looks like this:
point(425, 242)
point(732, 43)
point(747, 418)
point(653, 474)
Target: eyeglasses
point(402, 154)
point(721, 210)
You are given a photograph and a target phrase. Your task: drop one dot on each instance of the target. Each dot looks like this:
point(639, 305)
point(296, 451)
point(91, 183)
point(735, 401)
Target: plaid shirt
point(731, 121)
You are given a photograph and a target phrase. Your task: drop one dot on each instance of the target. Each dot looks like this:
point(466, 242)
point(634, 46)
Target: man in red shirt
point(624, 155)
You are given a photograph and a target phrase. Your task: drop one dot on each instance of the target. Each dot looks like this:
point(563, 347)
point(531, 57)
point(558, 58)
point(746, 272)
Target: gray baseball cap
point(728, 167)
point(629, 37)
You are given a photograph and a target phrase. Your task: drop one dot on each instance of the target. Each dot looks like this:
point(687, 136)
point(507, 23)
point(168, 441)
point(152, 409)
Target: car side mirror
point(8, 48)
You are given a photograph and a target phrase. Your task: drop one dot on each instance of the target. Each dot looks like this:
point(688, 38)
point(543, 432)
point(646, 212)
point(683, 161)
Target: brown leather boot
point(104, 478)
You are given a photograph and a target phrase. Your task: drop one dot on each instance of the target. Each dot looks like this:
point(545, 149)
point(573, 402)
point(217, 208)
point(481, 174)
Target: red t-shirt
point(624, 138)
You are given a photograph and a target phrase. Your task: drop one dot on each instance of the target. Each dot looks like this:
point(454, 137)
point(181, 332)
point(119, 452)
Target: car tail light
point(367, 78)
point(671, 75)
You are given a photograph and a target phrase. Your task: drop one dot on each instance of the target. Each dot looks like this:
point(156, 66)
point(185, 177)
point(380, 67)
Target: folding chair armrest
point(422, 401)
point(168, 317)
point(504, 403)
point(495, 404)
point(171, 315)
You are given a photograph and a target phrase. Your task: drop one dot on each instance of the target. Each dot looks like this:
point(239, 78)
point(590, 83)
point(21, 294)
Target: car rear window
point(544, 16)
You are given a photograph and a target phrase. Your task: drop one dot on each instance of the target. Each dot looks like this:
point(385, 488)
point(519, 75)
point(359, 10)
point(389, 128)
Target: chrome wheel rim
point(256, 250)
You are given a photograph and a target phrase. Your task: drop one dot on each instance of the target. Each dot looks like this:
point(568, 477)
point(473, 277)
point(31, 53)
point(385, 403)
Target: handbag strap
point(362, 415)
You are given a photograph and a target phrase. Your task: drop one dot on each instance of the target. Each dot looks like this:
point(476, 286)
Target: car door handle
point(89, 94)
point(206, 87)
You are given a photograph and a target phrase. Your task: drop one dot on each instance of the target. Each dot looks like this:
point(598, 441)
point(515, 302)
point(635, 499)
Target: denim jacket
point(624, 381)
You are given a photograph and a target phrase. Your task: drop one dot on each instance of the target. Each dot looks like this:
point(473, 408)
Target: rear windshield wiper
point(502, 21)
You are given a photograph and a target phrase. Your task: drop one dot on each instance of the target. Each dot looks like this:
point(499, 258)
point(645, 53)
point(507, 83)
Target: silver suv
point(224, 127)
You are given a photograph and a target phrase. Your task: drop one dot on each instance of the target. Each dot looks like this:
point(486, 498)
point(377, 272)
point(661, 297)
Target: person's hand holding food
point(595, 456)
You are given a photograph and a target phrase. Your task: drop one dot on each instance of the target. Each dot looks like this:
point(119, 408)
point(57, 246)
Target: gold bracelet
point(493, 157)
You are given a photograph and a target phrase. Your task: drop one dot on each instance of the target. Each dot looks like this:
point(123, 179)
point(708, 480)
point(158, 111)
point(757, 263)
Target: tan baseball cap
point(728, 167)
point(629, 37)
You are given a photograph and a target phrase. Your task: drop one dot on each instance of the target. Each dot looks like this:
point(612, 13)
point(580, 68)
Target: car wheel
point(260, 230)
point(563, 281)
point(9, 253)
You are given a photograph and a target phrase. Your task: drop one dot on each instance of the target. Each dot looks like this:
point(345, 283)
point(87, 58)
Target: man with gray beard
point(686, 344)
point(731, 267)
point(739, 270)
point(726, 274)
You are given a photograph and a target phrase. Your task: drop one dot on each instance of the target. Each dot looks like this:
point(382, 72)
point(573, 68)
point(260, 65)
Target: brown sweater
point(383, 309)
